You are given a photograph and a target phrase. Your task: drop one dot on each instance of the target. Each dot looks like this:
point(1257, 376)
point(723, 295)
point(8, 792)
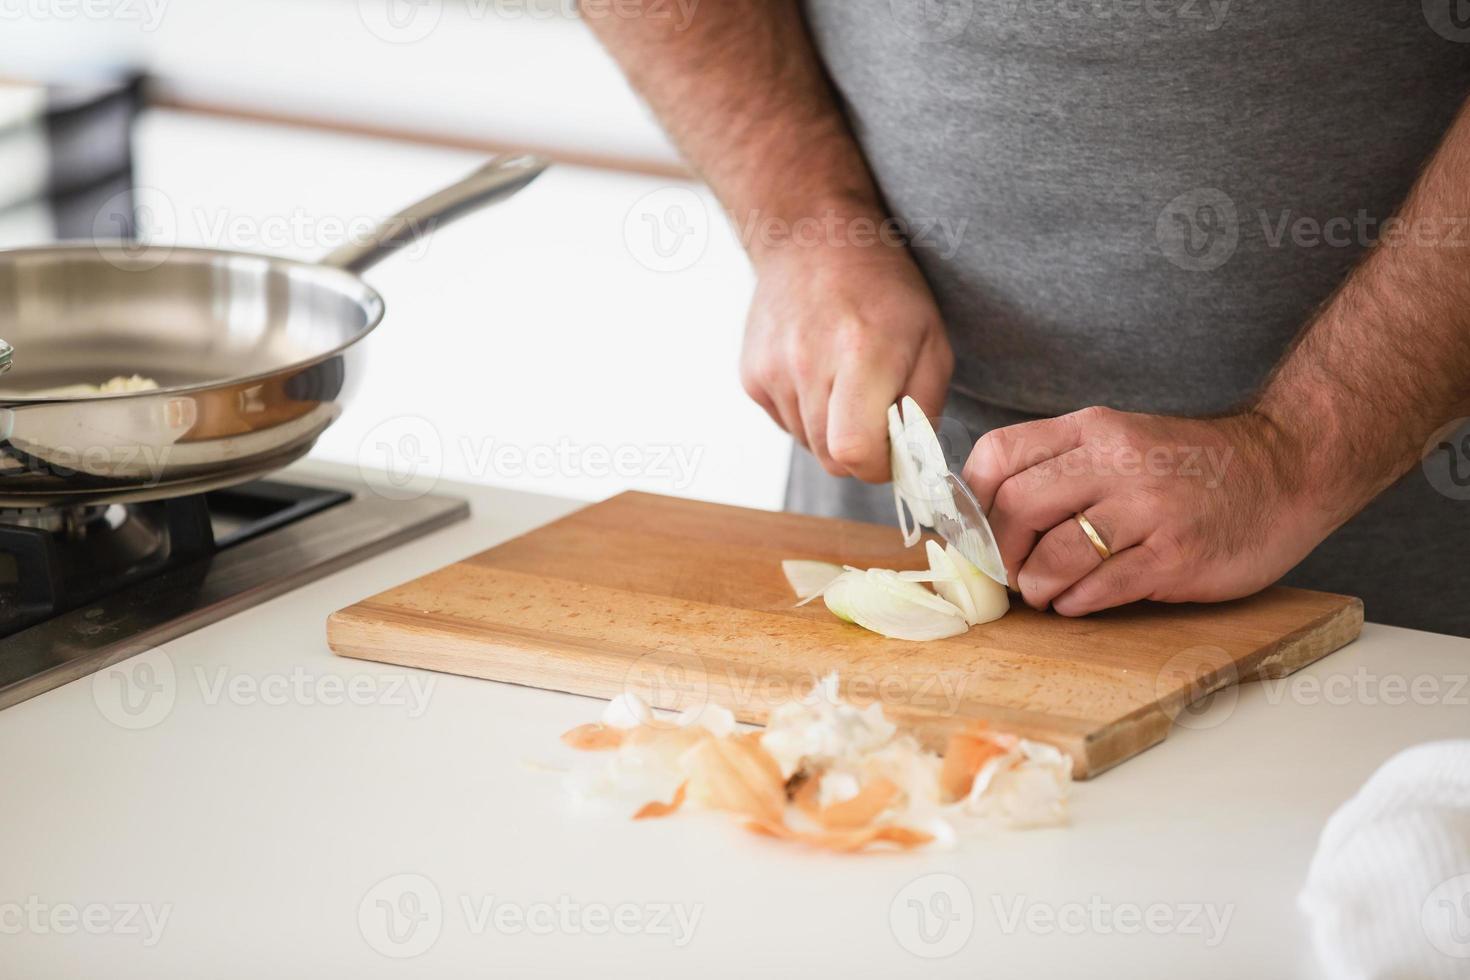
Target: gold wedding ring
point(1093, 536)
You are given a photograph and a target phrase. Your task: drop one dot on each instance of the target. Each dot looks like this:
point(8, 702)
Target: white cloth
point(1388, 892)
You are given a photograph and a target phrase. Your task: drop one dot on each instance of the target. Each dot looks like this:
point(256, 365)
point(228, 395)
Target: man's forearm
point(1387, 361)
point(834, 334)
point(740, 89)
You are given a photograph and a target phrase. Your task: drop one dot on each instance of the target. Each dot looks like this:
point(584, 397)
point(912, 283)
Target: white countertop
point(255, 821)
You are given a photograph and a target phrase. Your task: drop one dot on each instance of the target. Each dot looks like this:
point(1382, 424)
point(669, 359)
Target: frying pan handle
point(497, 180)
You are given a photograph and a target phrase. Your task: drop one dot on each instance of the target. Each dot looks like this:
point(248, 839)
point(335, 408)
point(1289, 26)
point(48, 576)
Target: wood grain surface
point(684, 602)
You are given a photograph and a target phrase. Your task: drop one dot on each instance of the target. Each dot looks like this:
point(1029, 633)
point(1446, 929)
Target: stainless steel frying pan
point(251, 353)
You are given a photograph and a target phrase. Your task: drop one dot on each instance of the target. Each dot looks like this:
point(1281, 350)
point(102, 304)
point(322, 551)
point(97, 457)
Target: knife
point(958, 518)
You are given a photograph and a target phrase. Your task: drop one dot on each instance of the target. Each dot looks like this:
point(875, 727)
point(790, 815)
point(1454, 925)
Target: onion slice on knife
point(919, 466)
point(935, 496)
point(913, 512)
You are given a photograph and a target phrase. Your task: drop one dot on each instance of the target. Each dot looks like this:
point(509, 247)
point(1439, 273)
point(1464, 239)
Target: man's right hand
point(836, 334)
point(839, 329)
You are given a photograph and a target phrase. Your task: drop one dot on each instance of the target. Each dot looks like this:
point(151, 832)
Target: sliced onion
point(896, 604)
point(906, 498)
point(912, 591)
point(948, 581)
point(928, 492)
point(989, 598)
point(920, 472)
point(808, 579)
point(925, 442)
point(886, 604)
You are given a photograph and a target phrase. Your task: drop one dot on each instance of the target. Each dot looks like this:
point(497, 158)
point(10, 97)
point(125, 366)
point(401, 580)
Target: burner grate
point(52, 561)
point(211, 555)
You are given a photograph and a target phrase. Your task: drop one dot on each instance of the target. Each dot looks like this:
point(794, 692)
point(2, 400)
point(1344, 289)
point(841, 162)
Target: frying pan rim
point(348, 284)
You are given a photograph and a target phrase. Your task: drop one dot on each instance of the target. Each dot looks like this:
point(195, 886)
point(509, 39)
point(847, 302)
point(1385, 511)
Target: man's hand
point(835, 336)
point(1192, 510)
point(839, 329)
point(1232, 504)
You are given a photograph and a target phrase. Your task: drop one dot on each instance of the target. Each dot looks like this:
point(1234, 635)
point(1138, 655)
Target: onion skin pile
point(824, 773)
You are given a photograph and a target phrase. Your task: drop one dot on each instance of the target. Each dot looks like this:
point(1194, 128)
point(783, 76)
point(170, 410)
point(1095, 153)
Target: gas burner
point(54, 560)
point(83, 587)
point(69, 521)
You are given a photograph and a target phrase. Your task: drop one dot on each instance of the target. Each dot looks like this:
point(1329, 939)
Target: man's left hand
point(1192, 510)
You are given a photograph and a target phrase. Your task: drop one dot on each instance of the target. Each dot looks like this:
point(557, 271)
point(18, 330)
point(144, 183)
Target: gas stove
point(82, 588)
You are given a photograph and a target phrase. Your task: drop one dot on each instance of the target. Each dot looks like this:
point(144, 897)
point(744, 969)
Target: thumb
point(857, 418)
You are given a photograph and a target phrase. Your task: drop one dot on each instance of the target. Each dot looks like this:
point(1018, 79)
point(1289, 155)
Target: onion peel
point(595, 737)
point(657, 808)
point(737, 775)
point(805, 791)
point(843, 841)
point(964, 755)
point(825, 773)
point(862, 810)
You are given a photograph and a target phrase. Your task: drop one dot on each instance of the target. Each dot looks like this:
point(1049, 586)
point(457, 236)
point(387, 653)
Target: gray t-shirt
point(1138, 203)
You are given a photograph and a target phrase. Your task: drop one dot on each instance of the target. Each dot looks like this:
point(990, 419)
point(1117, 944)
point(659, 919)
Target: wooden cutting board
point(684, 602)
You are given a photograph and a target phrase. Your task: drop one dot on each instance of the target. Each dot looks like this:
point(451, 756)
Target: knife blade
point(968, 530)
point(958, 518)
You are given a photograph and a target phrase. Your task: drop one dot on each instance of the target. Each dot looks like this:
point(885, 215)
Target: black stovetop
point(52, 562)
point(84, 588)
